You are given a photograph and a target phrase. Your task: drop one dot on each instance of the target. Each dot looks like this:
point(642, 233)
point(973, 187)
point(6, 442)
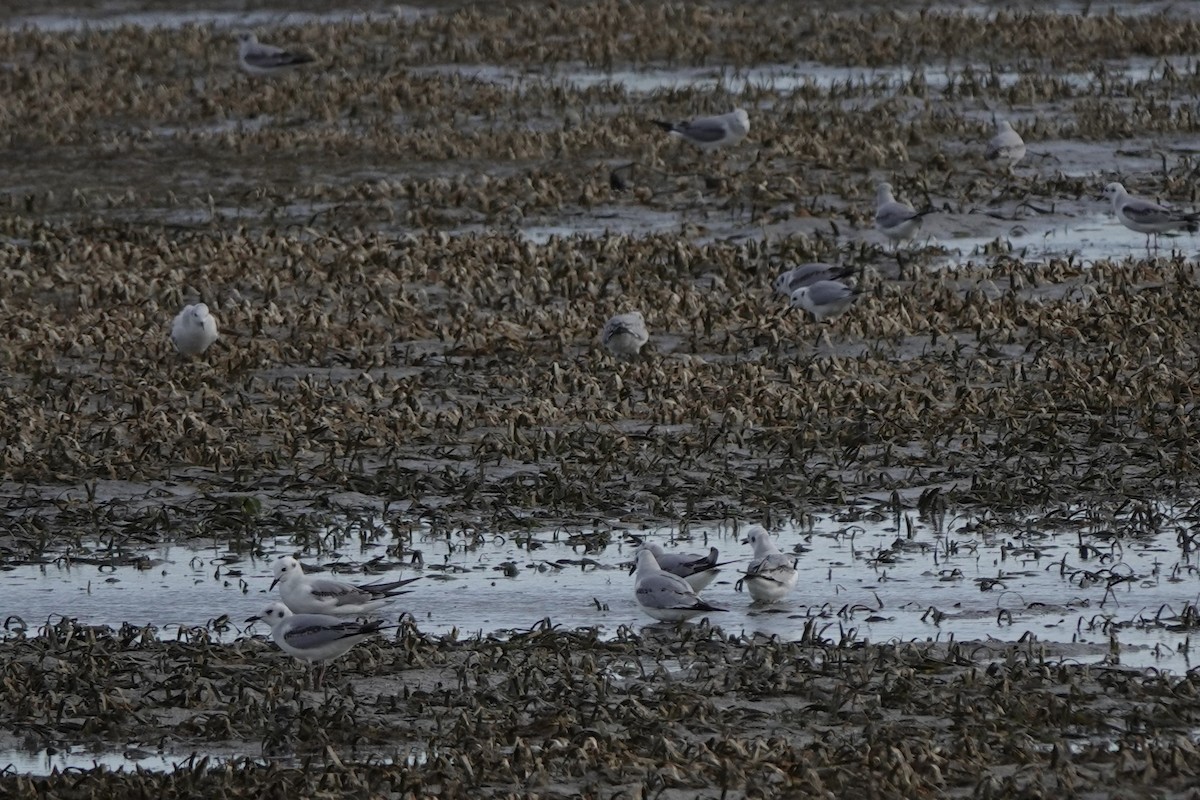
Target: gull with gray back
point(664, 596)
point(711, 133)
point(315, 638)
point(771, 575)
point(896, 220)
point(194, 330)
point(1006, 147)
point(625, 334)
point(257, 58)
point(698, 570)
point(808, 274)
point(313, 594)
point(1148, 217)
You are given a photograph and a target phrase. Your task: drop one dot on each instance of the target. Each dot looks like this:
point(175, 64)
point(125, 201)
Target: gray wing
point(889, 215)
point(668, 592)
point(705, 129)
point(1147, 213)
point(823, 293)
point(344, 593)
point(687, 564)
point(266, 57)
point(614, 328)
point(623, 324)
point(311, 631)
point(770, 563)
point(1004, 144)
point(994, 153)
point(808, 274)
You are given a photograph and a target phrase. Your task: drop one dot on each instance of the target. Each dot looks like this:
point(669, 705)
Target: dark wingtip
point(845, 272)
point(666, 126)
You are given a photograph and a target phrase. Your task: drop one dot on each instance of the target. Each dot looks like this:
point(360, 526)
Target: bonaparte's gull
point(257, 58)
point(825, 299)
point(193, 330)
point(808, 274)
point(312, 594)
point(710, 133)
point(771, 575)
point(897, 221)
point(625, 334)
point(1146, 217)
point(698, 570)
point(1006, 147)
point(665, 596)
point(314, 637)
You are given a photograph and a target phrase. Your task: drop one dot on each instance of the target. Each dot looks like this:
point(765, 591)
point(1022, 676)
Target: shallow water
point(1087, 238)
point(861, 580)
point(46, 761)
point(883, 81)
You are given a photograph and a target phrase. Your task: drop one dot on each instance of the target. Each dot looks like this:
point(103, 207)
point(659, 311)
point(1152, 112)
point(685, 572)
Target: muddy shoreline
point(411, 248)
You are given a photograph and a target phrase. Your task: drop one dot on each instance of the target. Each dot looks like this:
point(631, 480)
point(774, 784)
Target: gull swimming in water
point(897, 221)
point(711, 133)
point(193, 330)
point(699, 571)
point(312, 594)
point(257, 58)
point(625, 334)
point(771, 575)
point(808, 274)
point(1006, 147)
point(665, 596)
point(1146, 217)
point(314, 638)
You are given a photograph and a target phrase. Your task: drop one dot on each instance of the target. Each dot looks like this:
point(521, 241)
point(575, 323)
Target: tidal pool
point(1094, 592)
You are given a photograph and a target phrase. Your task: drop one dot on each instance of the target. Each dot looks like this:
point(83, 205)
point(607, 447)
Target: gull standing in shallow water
point(808, 274)
point(309, 594)
point(314, 637)
point(625, 334)
point(665, 596)
point(711, 133)
point(193, 330)
point(1006, 147)
point(898, 221)
point(1146, 217)
point(699, 571)
point(771, 575)
point(257, 58)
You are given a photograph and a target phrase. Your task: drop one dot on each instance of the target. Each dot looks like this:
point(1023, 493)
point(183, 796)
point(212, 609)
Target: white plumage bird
point(1006, 147)
point(711, 133)
point(194, 330)
point(808, 274)
point(664, 596)
point(1147, 217)
point(257, 58)
point(313, 594)
point(698, 570)
point(625, 334)
point(314, 638)
point(897, 221)
point(825, 299)
point(771, 576)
